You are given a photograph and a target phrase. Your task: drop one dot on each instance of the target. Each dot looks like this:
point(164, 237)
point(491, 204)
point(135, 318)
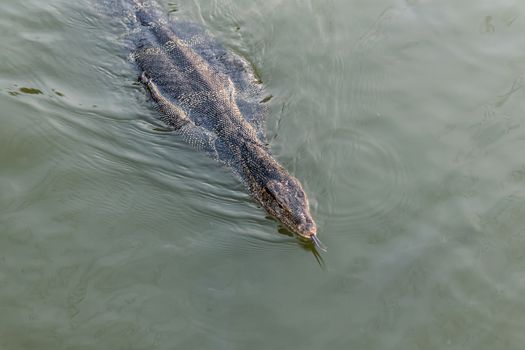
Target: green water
point(402, 119)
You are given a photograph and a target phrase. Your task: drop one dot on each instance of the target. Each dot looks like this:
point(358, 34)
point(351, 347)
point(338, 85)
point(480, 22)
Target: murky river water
point(402, 119)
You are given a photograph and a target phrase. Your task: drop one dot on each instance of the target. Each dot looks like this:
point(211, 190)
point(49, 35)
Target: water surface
point(402, 119)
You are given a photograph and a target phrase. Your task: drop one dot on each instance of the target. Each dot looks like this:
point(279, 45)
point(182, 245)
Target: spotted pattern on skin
point(211, 98)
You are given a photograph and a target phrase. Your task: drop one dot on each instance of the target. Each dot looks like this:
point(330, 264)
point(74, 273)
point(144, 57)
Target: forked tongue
point(318, 243)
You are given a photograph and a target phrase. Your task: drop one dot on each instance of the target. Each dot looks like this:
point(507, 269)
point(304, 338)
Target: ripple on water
point(369, 174)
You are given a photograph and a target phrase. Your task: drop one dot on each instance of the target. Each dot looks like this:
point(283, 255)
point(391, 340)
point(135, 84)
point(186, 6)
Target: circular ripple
point(367, 178)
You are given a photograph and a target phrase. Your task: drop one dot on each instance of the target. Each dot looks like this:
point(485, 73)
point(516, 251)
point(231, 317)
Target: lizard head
point(286, 200)
point(281, 195)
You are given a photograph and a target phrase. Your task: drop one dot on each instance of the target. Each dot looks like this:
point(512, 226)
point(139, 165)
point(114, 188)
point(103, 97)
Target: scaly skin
point(202, 102)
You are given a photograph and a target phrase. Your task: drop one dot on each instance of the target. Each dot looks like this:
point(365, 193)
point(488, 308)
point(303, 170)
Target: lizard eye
point(273, 196)
point(274, 188)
